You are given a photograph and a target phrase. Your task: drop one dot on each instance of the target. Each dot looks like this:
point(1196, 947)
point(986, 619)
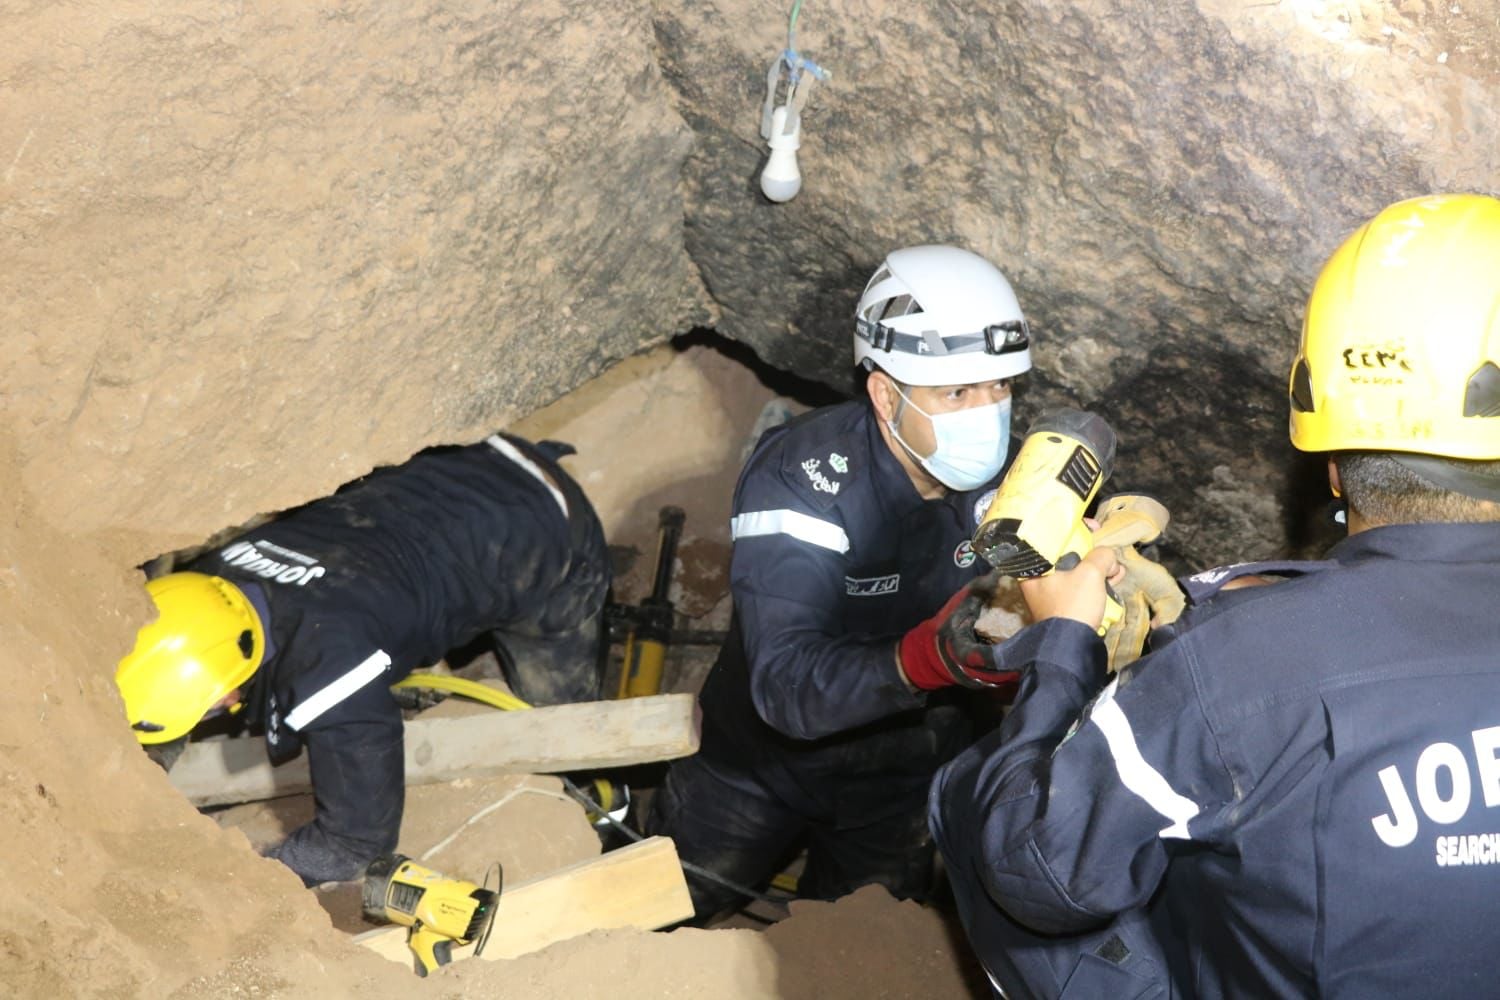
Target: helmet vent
point(900, 305)
point(247, 644)
point(1302, 397)
point(1482, 399)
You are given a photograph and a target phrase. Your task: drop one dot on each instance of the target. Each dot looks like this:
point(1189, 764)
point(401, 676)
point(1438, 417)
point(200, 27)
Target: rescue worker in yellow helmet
point(1299, 794)
point(302, 625)
point(206, 641)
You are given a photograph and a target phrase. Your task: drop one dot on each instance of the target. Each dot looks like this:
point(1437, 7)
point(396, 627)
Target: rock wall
point(248, 251)
point(1159, 180)
point(251, 251)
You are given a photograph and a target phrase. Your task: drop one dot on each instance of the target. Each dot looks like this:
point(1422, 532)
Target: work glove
point(1125, 639)
point(945, 650)
point(1151, 599)
point(1148, 593)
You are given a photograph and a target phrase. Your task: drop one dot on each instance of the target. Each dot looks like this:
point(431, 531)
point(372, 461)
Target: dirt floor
point(704, 409)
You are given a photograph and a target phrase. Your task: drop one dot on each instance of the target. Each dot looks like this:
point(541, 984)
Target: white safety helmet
point(938, 315)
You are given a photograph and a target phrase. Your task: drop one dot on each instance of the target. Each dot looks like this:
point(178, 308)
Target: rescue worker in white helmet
point(1297, 795)
point(833, 700)
point(302, 625)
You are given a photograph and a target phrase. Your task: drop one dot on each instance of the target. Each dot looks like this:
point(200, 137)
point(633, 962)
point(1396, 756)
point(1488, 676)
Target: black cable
point(687, 866)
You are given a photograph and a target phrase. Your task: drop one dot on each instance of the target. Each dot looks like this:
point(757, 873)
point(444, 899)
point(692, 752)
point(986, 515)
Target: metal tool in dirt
point(649, 624)
point(1035, 523)
point(441, 911)
point(604, 799)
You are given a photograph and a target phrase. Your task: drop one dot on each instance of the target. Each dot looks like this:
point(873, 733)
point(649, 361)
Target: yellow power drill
point(440, 911)
point(1035, 523)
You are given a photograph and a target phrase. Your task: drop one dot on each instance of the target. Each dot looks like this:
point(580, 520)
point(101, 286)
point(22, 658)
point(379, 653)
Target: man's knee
point(896, 852)
point(559, 670)
point(722, 824)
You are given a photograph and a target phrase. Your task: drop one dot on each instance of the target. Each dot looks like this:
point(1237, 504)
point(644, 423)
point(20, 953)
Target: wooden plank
point(584, 736)
point(640, 886)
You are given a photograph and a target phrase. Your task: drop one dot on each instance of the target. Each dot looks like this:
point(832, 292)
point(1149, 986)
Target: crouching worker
point(1298, 795)
point(837, 694)
point(302, 625)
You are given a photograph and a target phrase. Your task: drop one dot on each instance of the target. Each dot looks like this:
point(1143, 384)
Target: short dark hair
point(1385, 491)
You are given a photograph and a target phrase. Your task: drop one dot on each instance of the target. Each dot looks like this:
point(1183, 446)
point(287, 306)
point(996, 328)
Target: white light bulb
point(781, 180)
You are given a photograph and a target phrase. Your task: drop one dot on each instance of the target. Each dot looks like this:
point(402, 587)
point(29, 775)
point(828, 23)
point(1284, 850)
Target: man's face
point(916, 429)
point(229, 703)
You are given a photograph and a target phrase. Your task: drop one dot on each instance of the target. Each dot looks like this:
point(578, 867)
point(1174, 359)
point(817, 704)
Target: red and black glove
point(944, 650)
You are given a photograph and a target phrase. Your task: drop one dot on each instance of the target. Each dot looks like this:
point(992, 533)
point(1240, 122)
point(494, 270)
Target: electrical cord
point(481, 814)
point(687, 866)
point(508, 702)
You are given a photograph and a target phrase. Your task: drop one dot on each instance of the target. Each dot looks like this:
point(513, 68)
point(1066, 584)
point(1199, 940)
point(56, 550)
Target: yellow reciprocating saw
point(440, 911)
point(1035, 523)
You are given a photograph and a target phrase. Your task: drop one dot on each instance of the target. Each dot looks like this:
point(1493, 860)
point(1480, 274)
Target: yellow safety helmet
point(1401, 341)
point(206, 641)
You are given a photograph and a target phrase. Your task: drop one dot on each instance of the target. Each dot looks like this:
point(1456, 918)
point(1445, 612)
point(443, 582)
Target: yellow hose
point(464, 688)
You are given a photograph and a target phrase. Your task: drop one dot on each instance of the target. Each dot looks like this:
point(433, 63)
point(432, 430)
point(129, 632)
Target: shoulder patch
point(823, 470)
point(819, 481)
point(982, 505)
point(1205, 584)
point(1209, 577)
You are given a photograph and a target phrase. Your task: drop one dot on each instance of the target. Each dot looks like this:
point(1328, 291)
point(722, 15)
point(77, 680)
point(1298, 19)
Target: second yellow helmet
point(1400, 345)
point(207, 640)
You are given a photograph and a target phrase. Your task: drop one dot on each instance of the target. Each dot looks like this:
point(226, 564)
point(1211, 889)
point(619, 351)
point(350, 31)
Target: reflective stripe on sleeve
point(331, 694)
point(513, 453)
point(800, 526)
point(1137, 775)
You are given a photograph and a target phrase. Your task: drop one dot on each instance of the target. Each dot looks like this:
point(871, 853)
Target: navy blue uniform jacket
point(1302, 789)
point(835, 556)
point(389, 574)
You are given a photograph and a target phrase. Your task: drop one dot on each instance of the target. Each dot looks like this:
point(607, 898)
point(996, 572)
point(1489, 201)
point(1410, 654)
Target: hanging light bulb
point(781, 180)
point(781, 126)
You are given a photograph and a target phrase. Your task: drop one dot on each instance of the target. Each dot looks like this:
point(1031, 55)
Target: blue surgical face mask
point(971, 444)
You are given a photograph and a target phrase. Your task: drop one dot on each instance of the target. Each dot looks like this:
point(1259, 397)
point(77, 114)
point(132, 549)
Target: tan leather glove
point(1163, 596)
point(1127, 637)
point(1151, 599)
point(1148, 592)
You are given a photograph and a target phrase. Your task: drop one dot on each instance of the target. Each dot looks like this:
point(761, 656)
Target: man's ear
point(882, 393)
point(1334, 484)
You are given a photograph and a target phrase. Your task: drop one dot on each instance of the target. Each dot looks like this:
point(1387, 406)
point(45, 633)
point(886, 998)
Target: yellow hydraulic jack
point(650, 624)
